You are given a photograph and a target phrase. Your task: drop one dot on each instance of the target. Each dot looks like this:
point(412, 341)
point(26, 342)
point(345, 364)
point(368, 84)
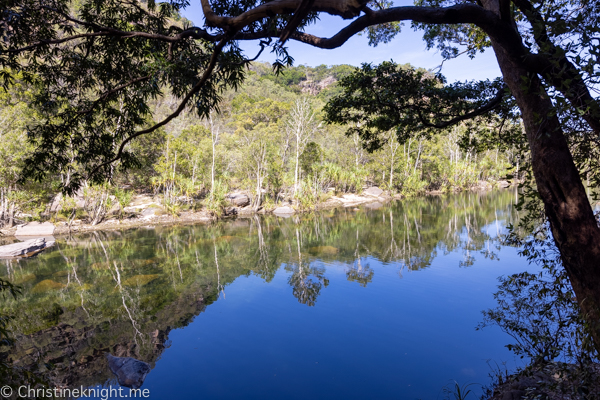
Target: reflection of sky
point(396, 338)
point(407, 47)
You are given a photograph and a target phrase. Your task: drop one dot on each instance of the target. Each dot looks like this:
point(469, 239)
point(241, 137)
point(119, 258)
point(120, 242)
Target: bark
point(574, 227)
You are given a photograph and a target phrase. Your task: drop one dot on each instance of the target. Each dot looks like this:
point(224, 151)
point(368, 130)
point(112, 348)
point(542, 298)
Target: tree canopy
point(94, 65)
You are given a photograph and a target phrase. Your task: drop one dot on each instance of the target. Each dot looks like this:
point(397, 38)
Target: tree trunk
point(574, 227)
point(297, 162)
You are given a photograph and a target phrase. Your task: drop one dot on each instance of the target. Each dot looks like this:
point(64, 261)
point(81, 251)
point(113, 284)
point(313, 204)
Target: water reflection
point(123, 292)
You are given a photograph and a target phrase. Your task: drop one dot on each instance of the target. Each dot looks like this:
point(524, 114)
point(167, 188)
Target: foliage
point(216, 203)
point(411, 101)
point(310, 157)
point(123, 198)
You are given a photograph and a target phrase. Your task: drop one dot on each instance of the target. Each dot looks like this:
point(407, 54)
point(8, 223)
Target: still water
point(375, 302)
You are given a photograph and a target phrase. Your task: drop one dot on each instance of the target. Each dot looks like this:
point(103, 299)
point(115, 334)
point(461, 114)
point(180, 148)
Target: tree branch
point(300, 13)
point(113, 91)
point(560, 72)
point(343, 8)
point(209, 69)
point(490, 105)
point(458, 14)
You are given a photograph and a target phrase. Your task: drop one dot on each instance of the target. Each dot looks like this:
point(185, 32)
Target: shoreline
point(160, 218)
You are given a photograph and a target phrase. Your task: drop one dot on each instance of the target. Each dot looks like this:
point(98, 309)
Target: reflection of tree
point(358, 273)
point(306, 280)
point(220, 287)
point(263, 259)
point(124, 293)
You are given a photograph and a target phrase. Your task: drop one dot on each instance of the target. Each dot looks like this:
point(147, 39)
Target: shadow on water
point(124, 292)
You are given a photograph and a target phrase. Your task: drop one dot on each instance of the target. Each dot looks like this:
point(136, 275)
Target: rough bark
point(574, 227)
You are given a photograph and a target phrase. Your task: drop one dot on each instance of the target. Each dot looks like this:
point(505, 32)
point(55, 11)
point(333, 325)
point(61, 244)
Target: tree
point(301, 126)
point(96, 68)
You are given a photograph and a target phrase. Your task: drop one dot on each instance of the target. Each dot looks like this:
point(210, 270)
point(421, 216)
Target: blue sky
point(407, 47)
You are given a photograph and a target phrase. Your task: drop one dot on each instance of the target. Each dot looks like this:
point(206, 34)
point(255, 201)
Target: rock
point(25, 278)
point(115, 209)
point(140, 280)
point(284, 211)
point(46, 286)
point(130, 372)
point(373, 191)
point(230, 211)
point(36, 229)
point(56, 205)
point(503, 184)
point(245, 211)
point(329, 250)
point(239, 199)
point(79, 198)
point(153, 211)
point(25, 249)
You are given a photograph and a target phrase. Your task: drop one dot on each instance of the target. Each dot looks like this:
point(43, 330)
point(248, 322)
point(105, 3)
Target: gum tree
point(97, 63)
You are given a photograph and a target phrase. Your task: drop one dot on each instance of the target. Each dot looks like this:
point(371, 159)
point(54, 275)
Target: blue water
point(408, 333)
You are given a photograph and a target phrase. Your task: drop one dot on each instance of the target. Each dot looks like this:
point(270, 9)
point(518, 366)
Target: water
point(349, 304)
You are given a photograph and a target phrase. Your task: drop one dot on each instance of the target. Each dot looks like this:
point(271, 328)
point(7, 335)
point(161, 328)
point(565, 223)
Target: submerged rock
point(324, 250)
point(130, 372)
point(46, 286)
point(140, 280)
point(25, 278)
point(25, 249)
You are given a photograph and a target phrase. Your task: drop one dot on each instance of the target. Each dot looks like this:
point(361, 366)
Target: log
point(25, 249)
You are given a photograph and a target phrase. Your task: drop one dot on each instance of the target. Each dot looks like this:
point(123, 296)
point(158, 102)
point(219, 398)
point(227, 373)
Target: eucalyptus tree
point(97, 63)
point(302, 126)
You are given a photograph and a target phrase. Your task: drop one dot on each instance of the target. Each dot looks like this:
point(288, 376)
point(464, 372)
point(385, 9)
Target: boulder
point(230, 211)
point(245, 211)
point(56, 205)
point(503, 184)
point(130, 372)
point(373, 191)
point(284, 211)
point(47, 285)
point(239, 199)
point(25, 249)
point(79, 198)
point(35, 229)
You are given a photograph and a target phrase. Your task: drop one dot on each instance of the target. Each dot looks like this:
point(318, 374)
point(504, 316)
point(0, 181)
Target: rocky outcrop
point(25, 249)
point(239, 199)
point(130, 372)
point(36, 229)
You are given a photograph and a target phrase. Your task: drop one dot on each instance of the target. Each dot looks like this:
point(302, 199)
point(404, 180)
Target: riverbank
point(146, 210)
point(553, 381)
